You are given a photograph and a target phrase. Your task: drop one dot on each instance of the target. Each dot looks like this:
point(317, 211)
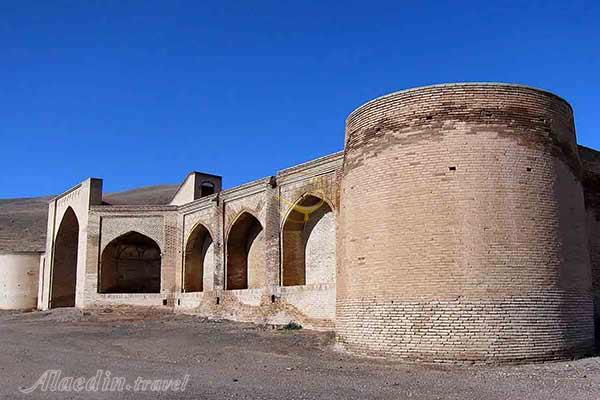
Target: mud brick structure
point(459, 224)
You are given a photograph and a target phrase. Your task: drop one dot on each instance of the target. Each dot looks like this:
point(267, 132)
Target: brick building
point(460, 224)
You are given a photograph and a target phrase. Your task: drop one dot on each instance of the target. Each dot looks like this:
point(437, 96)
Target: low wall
point(312, 306)
point(19, 274)
point(131, 299)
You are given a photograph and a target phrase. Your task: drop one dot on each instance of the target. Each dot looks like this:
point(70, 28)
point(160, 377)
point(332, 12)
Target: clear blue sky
point(142, 92)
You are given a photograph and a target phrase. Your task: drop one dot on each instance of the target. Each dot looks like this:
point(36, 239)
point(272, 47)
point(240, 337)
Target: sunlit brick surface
point(463, 227)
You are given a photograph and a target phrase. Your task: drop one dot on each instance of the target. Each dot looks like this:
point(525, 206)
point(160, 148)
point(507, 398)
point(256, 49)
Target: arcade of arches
point(308, 248)
point(131, 263)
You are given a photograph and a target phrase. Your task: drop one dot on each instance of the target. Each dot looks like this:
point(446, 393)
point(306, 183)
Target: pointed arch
point(308, 242)
point(64, 269)
point(199, 266)
point(304, 198)
point(245, 253)
point(130, 263)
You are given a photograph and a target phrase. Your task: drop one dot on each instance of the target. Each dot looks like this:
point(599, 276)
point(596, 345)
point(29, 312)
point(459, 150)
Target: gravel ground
point(227, 360)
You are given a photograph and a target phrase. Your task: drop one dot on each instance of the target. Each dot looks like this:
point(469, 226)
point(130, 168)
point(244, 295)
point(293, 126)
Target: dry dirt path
point(227, 360)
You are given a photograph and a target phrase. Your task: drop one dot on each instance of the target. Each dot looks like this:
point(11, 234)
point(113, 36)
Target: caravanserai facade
point(459, 224)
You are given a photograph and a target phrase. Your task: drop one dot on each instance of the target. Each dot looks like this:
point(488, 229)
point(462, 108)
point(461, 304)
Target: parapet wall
point(463, 228)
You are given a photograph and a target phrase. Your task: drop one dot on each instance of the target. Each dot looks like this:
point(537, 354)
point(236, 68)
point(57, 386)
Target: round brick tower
point(462, 232)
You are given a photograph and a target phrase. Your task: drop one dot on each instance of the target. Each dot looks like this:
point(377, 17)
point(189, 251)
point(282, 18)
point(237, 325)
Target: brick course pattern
point(460, 225)
point(463, 232)
point(591, 184)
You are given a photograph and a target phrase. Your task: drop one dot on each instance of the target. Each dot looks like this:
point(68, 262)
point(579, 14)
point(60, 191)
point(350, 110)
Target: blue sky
point(142, 92)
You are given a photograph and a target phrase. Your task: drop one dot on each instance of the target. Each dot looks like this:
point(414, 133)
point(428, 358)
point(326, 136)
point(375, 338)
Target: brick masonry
point(463, 227)
point(459, 226)
point(591, 184)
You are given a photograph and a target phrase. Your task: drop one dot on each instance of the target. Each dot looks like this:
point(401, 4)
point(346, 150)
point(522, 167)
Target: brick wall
point(77, 200)
point(109, 223)
point(174, 228)
point(268, 201)
point(591, 184)
point(462, 233)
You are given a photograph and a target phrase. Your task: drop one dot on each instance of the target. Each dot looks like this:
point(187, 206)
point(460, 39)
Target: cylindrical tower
point(462, 231)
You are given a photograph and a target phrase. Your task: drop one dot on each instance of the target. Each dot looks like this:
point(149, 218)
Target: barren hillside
point(23, 221)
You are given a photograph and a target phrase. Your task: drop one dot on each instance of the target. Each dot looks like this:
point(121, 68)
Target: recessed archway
point(245, 253)
point(64, 268)
point(199, 264)
point(130, 263)
point(308, 243)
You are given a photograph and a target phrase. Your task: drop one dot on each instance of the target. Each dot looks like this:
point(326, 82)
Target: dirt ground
point(227, 360)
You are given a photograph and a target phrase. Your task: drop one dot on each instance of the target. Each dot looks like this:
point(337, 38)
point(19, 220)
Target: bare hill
point(23, 221)
point(23, 224)
point(148, 195)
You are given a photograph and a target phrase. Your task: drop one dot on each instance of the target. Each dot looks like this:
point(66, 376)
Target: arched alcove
point(308, 243)
point(64, 268)
point(245, 253)
point(199, 260)
point(130, 263)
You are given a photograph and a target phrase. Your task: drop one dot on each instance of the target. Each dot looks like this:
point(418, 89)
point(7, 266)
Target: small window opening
point(206, 189)
point(452, 168)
